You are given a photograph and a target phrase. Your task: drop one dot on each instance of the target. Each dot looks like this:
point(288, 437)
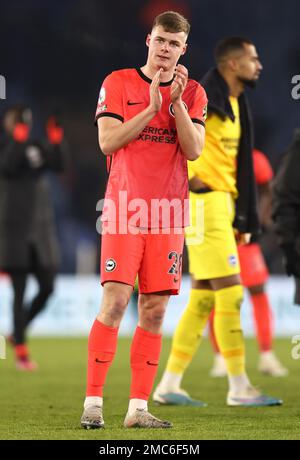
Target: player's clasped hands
point(179, 83)
point(155, 94)
point(177, 88)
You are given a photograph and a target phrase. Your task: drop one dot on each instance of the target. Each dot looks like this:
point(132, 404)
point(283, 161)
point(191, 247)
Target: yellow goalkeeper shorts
point(210, 238)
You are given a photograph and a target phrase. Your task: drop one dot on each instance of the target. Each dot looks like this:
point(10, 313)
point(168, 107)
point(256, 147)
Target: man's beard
point(250, 83)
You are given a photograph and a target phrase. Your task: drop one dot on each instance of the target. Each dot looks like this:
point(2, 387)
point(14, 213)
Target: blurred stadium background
point(54, 56)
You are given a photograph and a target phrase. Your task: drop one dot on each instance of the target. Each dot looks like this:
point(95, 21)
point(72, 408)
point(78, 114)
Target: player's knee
point(229, 300)
point(158, 315)
point(118, 306)
point(115, 303)
point(153, 312)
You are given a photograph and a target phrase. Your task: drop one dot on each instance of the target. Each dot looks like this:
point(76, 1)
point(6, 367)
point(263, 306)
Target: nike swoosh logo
point(152, 364)
point(98, 361)
point(176, 280)
point(133, 103)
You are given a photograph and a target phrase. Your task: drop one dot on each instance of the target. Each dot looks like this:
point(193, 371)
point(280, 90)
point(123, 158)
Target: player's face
point(165, 48)
point(248, 66)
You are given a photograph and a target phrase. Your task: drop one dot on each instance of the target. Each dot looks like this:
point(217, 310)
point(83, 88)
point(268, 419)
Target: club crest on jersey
point(232, 260)
point(101, 107)
point(171, 110)
point(102, 96)
point(110, 265)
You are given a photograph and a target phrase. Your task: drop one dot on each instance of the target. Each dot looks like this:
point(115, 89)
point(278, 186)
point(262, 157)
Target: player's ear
point(232, 64)
point(148, 40)
point(184, 49)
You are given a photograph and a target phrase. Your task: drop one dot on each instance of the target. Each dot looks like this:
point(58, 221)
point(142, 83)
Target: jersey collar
point(148, 80)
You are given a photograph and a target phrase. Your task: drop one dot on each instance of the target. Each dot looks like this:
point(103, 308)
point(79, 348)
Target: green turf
point(48, 404)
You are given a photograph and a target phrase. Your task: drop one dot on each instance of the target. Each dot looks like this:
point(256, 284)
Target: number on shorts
point(177, 263)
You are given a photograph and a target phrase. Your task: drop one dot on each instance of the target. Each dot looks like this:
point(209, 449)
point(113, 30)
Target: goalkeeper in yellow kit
point(222, 187)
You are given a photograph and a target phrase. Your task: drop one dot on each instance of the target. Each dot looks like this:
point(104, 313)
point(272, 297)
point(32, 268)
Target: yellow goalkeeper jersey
point(216, 166)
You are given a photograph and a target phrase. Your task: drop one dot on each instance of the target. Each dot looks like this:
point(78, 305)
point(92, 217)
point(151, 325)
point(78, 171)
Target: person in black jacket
point(28, 241)
point(286, 210)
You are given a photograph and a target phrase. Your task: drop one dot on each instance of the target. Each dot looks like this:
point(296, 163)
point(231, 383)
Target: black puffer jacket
point(26, 214)
point(286, 206)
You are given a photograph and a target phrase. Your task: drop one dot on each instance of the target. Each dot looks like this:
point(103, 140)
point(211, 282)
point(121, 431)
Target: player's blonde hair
point(172, 22)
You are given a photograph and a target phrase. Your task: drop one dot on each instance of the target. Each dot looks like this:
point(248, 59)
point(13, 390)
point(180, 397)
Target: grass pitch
point(48, 404)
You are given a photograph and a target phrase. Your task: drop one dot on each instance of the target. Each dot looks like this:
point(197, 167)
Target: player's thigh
point(201, 284)
point(225, 282)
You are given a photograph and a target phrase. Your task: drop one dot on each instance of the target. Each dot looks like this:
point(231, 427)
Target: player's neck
point(150, 71)
point(236, 87)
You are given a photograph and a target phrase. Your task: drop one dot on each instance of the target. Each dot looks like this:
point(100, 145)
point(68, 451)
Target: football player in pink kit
point(150, 122)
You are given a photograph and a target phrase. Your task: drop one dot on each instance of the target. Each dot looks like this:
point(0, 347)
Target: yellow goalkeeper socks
point(189, 330)
point(227, 325)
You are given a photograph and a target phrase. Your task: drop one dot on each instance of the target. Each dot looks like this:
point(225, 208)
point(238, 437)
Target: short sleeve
point(198, 107)
point(110, 102)
point(262, 168)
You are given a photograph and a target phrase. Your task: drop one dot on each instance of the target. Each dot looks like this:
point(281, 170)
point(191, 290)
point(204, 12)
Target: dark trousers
point(22, 314)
